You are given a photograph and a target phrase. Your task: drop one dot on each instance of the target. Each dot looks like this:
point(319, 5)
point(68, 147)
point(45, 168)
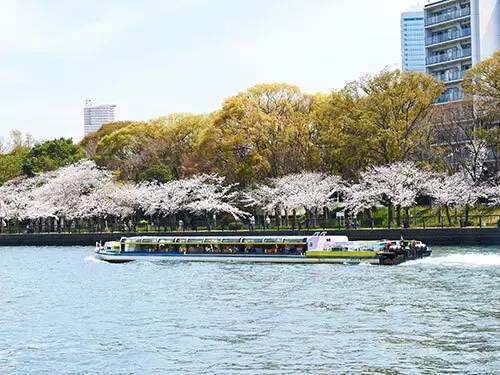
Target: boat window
point(271, 240)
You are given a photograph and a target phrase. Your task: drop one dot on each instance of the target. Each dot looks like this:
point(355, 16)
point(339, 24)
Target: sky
point(154, 57)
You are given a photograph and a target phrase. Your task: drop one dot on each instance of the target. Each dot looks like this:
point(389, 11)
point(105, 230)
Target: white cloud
point(26, 27)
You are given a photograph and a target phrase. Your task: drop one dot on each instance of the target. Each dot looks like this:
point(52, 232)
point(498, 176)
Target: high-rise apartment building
point(94, 116)
point(458, 34)
point(413, 41)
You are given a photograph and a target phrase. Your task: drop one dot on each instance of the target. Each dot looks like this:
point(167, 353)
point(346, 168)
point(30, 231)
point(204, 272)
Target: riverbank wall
point(432, 236)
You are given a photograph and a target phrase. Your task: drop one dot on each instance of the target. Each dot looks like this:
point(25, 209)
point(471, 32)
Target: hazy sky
point(153, 57)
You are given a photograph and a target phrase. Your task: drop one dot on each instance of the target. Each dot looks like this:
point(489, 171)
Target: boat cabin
point(222, 245)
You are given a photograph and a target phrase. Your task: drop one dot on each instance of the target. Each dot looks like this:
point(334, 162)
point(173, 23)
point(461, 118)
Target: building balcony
point(445, 57)
point(439, 4)
point(450, 97)
point(446, 37)
point(449, 16)
point(452, 76)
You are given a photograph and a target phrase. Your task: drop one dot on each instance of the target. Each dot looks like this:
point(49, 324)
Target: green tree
point(483, 82)
point(396, 107)
point(262, 132)
point(339, 124)
point(122, 150)
point(11, 164)
point(133, 149)
point(50, 155)
point(158, 173)
point(89, 143)
point(177, 147)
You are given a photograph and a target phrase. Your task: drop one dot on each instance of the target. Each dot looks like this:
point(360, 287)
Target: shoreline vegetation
point(376, 153)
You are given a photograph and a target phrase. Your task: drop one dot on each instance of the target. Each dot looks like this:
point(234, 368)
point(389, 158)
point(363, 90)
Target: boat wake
point(93, 259)
point(459, 260)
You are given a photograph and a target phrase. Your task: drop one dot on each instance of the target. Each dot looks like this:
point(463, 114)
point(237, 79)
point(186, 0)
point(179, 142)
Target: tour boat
point(316, 248)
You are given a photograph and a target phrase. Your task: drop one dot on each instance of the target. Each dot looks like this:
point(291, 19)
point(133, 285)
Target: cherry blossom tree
point(18, 197)
point(493, 195)
point(457, 190)
point(308, 191)
point(66, 194)
point(443, 190)
point(395, 185)
point(111, 201)
point(59, 196)
point(362, 197)
point(3, 214)
point(467, 192)
point(200, 195)
point(208, 194)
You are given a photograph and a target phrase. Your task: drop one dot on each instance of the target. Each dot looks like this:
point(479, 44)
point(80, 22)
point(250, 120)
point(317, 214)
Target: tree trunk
point(398, 216)
point(447, 212)
point(278, 217)
point(370, 217)
point(294, 212)
point(389, 215)
point(407, 217)
point(466, 223)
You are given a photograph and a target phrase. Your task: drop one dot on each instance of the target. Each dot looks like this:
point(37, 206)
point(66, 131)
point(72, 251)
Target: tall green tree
point(89, 143)
point(164, 142)
point(50, 155)
point(261, 132)
point(339, 124)
point(483, 83)
point(396, 107)
point(11, 164)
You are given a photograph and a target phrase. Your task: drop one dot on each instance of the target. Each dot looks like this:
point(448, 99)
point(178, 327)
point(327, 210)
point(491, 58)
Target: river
point(64, 312)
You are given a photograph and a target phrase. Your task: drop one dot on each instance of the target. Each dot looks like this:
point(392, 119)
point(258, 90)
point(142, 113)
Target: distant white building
point(413, 41)
point(459, 34)
point(94, 116)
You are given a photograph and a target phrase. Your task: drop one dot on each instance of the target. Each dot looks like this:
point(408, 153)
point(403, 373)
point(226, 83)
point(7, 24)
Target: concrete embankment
point(434, 236)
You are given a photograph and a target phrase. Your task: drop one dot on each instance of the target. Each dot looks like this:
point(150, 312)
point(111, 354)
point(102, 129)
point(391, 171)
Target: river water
point(62, 311)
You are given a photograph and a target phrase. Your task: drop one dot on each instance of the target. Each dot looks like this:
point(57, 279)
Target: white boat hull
point(239, 258)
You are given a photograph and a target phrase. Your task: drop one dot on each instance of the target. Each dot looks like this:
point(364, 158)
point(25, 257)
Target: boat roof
point(215, 238)
point(232, 239)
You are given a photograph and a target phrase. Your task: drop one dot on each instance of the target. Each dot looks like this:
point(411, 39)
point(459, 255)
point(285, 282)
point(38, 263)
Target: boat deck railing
point(286, 240)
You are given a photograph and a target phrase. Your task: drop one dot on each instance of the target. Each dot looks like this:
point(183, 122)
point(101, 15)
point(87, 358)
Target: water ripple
point(63, 311)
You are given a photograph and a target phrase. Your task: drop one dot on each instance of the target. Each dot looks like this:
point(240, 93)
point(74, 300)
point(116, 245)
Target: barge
point(318, 248)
